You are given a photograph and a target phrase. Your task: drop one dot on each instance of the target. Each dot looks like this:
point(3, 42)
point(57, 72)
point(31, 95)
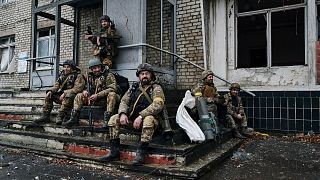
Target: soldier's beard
point(145, 81)
point(97, 73)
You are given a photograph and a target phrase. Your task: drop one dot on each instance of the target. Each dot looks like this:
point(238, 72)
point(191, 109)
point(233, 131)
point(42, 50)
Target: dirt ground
point(261, 157)
point(285, 157)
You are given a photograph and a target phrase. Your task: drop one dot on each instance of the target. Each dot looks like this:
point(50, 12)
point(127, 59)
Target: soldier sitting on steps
point(101, 91)
point(140, 107)
point(63, 92)
point(236, 115)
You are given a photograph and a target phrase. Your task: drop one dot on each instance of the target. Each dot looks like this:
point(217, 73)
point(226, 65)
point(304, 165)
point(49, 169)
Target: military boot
point(114, 154)
point(246, 131)
point(45, 118)
point(237, 134)
point(140, 154)
point(59, 118)
point(106, 117)
point(74, 119)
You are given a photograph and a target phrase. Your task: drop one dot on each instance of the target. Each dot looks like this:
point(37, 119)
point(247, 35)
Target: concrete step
point(184, 160)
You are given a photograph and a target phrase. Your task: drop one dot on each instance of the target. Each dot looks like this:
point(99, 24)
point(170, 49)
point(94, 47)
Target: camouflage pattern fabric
point(234, 110)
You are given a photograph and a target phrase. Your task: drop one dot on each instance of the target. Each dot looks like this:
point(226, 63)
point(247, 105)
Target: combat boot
point(106, 117)
point(114, 154)
point(59, 118)
point(246, 131)
point(45, 118)
point(237, 134)
point(140, 154)
point(74, 119)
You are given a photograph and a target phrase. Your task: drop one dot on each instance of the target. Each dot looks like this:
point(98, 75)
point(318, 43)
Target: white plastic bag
point(186, 122)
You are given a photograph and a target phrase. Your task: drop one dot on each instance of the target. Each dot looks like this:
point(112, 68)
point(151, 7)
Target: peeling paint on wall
point(278, 76)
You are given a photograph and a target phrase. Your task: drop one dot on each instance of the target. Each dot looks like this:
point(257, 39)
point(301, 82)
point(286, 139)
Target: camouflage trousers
point(234, 123)
point(150, 123)
point(109, 102)
point(66, 103)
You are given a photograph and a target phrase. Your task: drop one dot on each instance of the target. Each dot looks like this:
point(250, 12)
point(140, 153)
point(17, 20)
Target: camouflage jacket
point(156, 94)
point(102, 84)
point(72, 83)
point(234, 105)
point(209, 93)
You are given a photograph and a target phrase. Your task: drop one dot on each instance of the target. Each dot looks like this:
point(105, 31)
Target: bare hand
point(137, 122)
point(62, 96)
point(49, 95)
point(239, 116)
point(124, 119)
point(93, 97)
point(88, 36)
point(85, 93)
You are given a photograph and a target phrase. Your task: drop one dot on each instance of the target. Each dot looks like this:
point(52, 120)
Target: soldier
point(140, 108)
point(236, 115)
point(105, 41)
point(207, 90)
point(63, 92)
point(101, 90)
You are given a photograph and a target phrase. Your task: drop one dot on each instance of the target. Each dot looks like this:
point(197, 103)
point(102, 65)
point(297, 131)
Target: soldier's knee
point(113, 120)
point(150, 122)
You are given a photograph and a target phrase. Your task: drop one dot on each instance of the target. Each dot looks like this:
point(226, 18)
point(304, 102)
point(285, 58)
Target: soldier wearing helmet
point(140, 107)
point(69, 83)
point(206, 89)
point(105, 41)
point(236, 117)
point(101, 91)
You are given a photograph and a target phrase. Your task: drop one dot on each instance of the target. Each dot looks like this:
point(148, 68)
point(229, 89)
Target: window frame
point(51, 39)
point(268, 12)
point(11, 50)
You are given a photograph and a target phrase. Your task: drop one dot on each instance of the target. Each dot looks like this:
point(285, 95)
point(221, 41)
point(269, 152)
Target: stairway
point(177, 157)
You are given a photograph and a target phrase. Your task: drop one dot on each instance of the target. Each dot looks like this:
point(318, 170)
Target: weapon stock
point(89, 103)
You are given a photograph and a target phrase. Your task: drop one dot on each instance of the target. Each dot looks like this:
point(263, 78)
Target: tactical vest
point(135, 107)
point(70, 82)
point(101, 81)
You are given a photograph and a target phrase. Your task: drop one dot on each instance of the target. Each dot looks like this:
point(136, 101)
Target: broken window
point(45, 48)
point(7, 46)
point(270, 33)
point(4, 1)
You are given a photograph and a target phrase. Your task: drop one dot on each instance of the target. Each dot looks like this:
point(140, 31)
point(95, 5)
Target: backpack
point(122, 83)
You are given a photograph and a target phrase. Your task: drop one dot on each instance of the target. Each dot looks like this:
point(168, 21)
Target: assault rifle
point(89, 103)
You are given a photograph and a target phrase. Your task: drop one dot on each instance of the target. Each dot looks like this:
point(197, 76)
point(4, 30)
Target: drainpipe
point(203, 36)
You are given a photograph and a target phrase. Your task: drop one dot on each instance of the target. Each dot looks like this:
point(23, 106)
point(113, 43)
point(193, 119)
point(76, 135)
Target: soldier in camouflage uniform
point(236, 115)
point(63, 92)
point(105, 41)
point(205, 89)
point(101, 91)
point(136, 110)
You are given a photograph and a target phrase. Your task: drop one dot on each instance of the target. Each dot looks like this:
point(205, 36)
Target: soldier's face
point(209, 79)
point(96, 70)
point(234, 92)
point(67, 69)
point(105, 24)
point(145, 77)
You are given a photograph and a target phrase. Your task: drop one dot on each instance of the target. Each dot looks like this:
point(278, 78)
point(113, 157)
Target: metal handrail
point(179, 57)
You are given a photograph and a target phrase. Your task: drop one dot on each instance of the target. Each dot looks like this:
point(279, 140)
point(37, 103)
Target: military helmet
point(144, 67)
point(105, 17)
point(94, 62)
point(70, 63)
point(234, 86)
point(206, 73)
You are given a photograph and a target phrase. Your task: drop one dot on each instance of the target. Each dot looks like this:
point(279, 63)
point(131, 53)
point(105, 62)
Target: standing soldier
point(207, 90)
point(140, 107)
point(105, 41)
point(63, 92)
point(236, 115)
point(101, 90)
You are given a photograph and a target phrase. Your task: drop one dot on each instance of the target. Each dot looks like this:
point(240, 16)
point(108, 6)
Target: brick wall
point(189, 42)
point(88, 17)
point(17, 22)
